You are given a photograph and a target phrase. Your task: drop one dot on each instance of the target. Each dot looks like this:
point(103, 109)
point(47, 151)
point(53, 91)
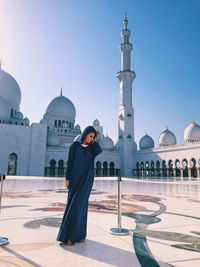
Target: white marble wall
point(37, 149)
point(28, 143)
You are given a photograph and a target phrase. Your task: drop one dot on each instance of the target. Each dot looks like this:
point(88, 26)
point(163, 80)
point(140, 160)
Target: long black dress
point(80, 173)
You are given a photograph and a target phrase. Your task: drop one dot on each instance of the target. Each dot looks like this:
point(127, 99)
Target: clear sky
point(46, 44)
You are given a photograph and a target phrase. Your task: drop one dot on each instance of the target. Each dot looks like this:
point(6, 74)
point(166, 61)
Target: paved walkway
point(164, 227)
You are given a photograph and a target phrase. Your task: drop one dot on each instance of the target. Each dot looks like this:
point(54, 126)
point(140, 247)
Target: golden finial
point(125, 22)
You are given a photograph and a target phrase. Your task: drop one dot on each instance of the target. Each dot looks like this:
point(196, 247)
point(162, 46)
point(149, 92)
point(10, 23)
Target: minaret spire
point(125, 112)
point(61, 91)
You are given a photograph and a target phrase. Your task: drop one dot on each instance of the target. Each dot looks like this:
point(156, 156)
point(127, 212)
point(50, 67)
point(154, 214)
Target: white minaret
point(127, 144)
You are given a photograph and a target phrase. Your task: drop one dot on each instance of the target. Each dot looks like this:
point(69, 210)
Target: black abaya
point(80, 173)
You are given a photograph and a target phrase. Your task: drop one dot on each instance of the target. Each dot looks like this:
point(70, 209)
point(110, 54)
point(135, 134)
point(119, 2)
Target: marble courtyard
point(163, 218)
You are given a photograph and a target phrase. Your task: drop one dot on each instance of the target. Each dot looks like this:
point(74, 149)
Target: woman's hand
point(66, 183)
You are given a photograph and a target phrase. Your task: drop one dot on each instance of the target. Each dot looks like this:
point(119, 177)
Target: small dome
point(19, 115)
point(44, 121)
point(117, 144)
point(26, 121)
point(146, 142)
point(107, 143)
point(192, 133)
point(53, 139)
point(167, 138)
point(96, 123)
point(61, 106)
point(77, 138)
point(77, 127)
point(9, 88)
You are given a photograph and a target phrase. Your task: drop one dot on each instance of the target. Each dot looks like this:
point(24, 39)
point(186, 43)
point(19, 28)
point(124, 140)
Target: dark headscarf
point(89, 129)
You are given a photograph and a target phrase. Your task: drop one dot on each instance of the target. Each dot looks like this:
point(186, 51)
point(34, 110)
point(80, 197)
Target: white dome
point(4, 108)
point(167, 138)
point(117, 144)
point(61, 106)
point(9, 88)
point(134, 146)
point(107, 143)
point(192, 133)
point(77, 138)
point(19, 115)
point(146, 142)
point(96, 123)
point(53, 139)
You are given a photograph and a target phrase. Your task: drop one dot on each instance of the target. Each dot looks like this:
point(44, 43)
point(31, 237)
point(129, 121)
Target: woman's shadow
point(104, 253)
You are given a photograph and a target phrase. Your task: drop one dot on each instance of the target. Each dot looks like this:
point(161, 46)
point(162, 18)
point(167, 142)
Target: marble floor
point(163, 219)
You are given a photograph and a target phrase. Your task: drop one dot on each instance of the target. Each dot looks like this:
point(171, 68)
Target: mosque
point(41, 149)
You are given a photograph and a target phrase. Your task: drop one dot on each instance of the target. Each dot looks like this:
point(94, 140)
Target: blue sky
point(46, 44)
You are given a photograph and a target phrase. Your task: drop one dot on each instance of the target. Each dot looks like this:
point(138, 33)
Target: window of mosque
point(59, 123)
point(52, 164)
point(121, 117)
point(185, 163)
point(147, 164)
point(105, 168)
point(98, 168)
point(61, 167)
point(98, 164)
point(142, 165)
point(112, 165)
point(65, 131)
point(55, 123)
point(192, 162)
point(128, 115)
point(170, 163)
point(12, 164)
point(177, 163)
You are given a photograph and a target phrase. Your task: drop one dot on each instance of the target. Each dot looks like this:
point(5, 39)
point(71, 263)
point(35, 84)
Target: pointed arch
point(12, 164)
point(193, 164)
point(52, 167)
point(185, 167)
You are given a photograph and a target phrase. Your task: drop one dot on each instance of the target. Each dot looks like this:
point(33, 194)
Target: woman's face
point(89, 138)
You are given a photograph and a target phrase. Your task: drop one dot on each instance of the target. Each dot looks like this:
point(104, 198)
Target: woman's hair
point(89, 129)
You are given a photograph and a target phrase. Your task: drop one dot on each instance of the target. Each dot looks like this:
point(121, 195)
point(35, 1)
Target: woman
point(79, 181)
